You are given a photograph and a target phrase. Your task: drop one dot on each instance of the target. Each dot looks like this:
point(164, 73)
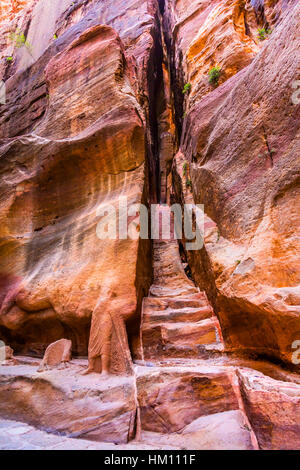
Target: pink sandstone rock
point(113, 99)
point(56, 354)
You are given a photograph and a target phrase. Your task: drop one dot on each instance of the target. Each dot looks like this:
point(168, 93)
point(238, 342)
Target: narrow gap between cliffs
point(165, 108)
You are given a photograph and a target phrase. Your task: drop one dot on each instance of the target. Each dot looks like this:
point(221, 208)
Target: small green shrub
point(55, 36)
point(184, 168)
point(214, 76)
point(187, 88)
point(19, 39)
point(238, 261)
point(263, 33)
point(189, 184)
point(9, 59)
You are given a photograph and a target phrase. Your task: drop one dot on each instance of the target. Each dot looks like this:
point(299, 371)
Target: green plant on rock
point(214, 76)
point(9, 58)
point(189, 184)
point(19, 39)
point(184, 168)
point(263, 33)
point(187, 88)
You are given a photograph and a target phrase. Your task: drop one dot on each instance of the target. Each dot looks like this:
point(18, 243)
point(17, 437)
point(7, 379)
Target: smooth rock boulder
point(7, 356)
point(66, 402)
point(273, 409)
point(227, 430)
point(56, 354)
point(171, 398)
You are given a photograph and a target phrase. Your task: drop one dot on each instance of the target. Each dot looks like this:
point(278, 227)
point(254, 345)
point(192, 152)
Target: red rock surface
point(10, 8)
point(112, 99)
point(242, 144)
point(273, 410)
point(64, 402)
point(56, 354)
point(91, 149)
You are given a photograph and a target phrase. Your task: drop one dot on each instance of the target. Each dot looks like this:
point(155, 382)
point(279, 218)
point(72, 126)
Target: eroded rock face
point(10, 8)
point(62, 401)
point(172, 399)
point(79, 145)
point(9, 352)
point(241, 142)
point(210, 34)
point(273, 410)
point(222, 431)
point(57, 353)
point(113, 99)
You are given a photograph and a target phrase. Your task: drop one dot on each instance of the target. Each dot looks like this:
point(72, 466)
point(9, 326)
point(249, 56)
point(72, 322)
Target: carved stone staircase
point(177, 319)
point(184, 393)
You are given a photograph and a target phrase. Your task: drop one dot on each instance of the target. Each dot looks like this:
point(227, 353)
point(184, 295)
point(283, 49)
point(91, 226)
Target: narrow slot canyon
point(161, 114)
point(111, 339)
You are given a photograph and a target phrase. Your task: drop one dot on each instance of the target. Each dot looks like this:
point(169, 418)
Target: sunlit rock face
point(15, 15)
point(211, 34)
point(73, 141)
point(241, 140)
point(152, 101)
point(10, 8)
point(273, 408)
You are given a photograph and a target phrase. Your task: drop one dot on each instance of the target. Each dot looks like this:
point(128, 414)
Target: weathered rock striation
point(67, 155)
point(241, 143)
point(151, 102)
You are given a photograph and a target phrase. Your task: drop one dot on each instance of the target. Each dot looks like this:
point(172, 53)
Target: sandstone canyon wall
point(112, 99)
point(74, 150)
point(241, 142)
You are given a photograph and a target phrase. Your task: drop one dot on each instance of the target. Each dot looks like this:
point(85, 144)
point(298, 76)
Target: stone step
point(173, 291)
point(163, 249)
point(186, 314)
point(181, 339)
point(162, 303)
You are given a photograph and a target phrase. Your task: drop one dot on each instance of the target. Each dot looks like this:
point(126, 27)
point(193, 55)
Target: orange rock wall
point(241, 142)
point(74, 142)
